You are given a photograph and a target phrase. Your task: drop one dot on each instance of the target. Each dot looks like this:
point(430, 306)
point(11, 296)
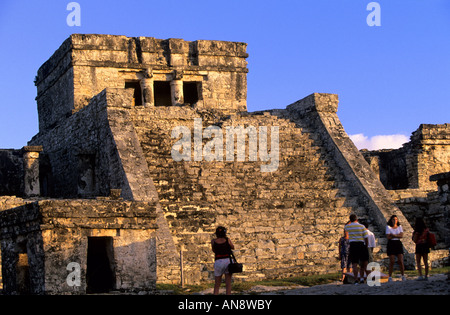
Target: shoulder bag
point(234, 266)
point(431, 240)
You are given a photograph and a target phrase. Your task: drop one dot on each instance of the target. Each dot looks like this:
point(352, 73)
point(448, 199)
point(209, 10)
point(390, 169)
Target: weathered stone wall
point(430, 150)
point(441, 204)
point(432, 206)
point(8, 202)
point(79, 157)
point(389, 166)
point(50, 234)
point(22, 254)
point(55, 87)
point(411, 166)
point(317, 113)
point(294, 214)
point(98, 133)
point(138, 183)
point(87, 64)
point(283, 222)
point(103, 132)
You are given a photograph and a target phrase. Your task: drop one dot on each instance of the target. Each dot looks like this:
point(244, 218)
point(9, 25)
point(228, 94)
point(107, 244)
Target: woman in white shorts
point(222, 246)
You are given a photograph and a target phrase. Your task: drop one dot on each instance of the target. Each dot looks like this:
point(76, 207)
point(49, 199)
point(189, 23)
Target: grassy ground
point(304, 281)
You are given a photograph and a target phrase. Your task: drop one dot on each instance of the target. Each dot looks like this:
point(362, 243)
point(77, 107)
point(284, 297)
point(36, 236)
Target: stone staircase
point(354, 199)
point(283, 223)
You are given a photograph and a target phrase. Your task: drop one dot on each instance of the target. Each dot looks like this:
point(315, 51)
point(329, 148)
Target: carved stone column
point(148, 97)
point(176, 88)
point(147, 92)
point(31, 170)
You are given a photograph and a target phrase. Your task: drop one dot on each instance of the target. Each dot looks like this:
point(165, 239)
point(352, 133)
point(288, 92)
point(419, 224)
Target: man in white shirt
point(371, 242)
point(357, 235)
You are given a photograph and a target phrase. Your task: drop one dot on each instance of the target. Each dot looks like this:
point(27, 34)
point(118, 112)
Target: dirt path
point(436, 285)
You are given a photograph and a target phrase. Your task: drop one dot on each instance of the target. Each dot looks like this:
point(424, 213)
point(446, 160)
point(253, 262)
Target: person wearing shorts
point(357, 235)
point(221, 246)
point(394, 232)
point(344, 248)
point(420, 237)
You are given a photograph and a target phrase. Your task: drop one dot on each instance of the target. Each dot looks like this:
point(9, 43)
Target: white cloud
point(378, 142)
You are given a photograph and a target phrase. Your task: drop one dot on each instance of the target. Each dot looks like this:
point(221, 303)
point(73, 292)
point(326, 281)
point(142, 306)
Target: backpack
point(431, 240)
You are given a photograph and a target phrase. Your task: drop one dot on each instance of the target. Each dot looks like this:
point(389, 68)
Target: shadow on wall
point(99, 267)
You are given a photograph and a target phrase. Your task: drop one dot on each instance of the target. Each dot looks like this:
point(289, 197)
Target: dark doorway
point(162, 94)
point(100, 268)
point(22, 269)
point(137, 94)
point(190, 92)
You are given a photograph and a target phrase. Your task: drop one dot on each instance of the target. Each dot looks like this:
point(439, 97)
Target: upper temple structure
point(208, 74)
point(145, 146)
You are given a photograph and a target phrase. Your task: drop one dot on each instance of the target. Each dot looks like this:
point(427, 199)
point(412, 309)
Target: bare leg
point(217, 282)
point(228, 283)
point(425, 262)
point(401, 265)
point(363, 269)
point(355, 271)
point(391, 264)
point(419, 266)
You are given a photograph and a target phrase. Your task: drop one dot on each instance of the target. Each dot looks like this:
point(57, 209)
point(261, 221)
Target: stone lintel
point(32, 148)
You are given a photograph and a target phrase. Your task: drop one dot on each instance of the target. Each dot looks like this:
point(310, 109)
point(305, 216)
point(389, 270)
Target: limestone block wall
point(8, 202)
point(137, 182)
point(294, 214)
point(432, 206)
point(390, 166)
point(103, 125)
point(430, 154)
point(51, 234)
point(79, 157)
point(411, 166)
point(55, 87)
point(96, 150)
point(441, 204)
point(317, 113)
point(85, 65)
point(283, 223)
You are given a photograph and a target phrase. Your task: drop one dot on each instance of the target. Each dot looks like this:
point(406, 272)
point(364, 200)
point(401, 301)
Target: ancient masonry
point(96, 202)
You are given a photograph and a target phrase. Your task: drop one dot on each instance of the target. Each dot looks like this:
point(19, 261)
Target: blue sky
point(389, 78)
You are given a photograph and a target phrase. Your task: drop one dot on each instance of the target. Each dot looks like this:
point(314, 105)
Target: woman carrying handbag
point(222, 246)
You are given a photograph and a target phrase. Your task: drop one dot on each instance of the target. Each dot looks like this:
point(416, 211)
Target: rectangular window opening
point(191, 92)
point(137, 94)
point(162, 94)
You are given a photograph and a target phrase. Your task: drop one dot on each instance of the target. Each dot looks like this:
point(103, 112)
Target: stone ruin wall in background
point(101, 128)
